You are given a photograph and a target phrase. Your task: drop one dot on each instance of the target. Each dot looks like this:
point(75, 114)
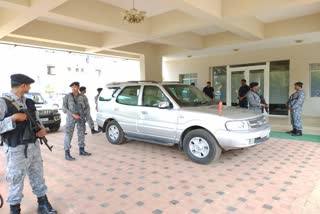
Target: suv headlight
point(237, 125)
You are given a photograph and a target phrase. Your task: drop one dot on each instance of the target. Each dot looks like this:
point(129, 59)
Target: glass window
point(107, 94)
point(37, 98)
point(152, 96)
point(189, 78)
point(129, 96)
point(219, 79)
point(279, 87)
point(186, 95)
point(315, 79)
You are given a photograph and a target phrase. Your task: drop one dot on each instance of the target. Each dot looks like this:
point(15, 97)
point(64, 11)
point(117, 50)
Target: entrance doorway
point(258, 73)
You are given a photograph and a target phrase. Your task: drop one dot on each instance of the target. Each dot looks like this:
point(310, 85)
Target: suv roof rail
point(171, 82)
point(141, 81)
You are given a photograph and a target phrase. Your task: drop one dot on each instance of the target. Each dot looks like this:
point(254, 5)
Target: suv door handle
point(144, 112)
point(116, 109)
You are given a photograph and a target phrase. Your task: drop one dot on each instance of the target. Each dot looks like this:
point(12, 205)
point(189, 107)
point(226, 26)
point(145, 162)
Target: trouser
point(18, 166)
point(69, 129)
point(89, 120)
point(296, 119)
point(243, 104)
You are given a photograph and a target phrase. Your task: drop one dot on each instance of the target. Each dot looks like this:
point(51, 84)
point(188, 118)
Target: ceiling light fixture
point(236, 49)
point(299, 41)
point(134, 16)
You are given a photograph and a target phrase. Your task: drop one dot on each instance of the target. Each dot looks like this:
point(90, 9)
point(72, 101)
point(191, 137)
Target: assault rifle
point(36, 126)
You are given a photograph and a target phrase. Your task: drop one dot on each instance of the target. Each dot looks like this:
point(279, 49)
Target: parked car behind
point(49, 116)
point(175, 113)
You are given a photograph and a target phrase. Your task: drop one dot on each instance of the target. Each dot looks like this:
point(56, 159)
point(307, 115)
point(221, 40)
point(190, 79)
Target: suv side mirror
point(164, 105)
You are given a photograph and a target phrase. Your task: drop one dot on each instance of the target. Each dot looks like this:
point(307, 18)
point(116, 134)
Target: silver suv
point(175, 113)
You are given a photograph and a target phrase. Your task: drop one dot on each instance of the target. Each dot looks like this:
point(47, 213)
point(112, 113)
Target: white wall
point(300, 57)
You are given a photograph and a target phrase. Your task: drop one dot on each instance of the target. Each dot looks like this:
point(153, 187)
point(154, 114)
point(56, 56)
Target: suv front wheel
point(201, 147)
point(114, 132)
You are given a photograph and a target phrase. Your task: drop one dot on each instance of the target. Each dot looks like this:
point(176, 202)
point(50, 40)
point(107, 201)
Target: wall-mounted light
point(189, 56)
point(236, 49)
point(299, 41)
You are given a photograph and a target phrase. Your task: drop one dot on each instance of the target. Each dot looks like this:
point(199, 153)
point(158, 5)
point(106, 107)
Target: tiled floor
point(279, 176)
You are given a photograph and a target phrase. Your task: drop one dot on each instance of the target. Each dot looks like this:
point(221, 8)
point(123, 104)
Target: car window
point(152, 96)
point(107, 94)
point(129, 95)
point(185, 95)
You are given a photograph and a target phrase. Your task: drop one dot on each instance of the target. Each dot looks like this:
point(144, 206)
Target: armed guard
point(83, 91)
point(76, 106)
point(254, 98)
point(295, 104)
point(21, 146)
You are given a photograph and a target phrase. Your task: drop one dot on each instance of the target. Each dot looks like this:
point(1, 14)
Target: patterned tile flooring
point(278, 176)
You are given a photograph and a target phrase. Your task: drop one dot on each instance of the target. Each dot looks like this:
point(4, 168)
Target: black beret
point(75, 83)
point(19, 79)
point(253, 84)
point(99, 89)
point(299, 84)
point(82, 88)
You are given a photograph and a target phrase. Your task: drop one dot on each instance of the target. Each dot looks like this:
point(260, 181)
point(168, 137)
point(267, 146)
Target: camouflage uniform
point(254, 101)
point(88, 115)
point(18, 165)
point(295, 104)
point(80, 107)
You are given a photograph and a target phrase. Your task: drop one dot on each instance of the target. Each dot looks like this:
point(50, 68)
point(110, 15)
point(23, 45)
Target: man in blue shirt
point(208, 90)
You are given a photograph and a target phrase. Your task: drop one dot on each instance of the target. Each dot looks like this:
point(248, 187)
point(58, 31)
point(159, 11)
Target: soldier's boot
point(83, 152)
point(68, 156)
point(44, 207)
point(15, 209)
point(297, 133)
point(292, 131)
point(93, 131)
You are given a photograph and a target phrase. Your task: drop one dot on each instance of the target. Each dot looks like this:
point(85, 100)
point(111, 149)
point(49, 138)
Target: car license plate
point(44, 119)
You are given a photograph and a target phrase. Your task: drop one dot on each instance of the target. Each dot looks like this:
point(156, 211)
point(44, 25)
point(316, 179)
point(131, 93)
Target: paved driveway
point(279, 176)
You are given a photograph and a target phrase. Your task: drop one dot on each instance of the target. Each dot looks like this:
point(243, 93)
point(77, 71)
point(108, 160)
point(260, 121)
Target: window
point(50, 70)
point(107, 94)
point(152, 96)
point(315, 80)
point(189, 78)
point(219, 83)
point(129, 96)
point(279, 87)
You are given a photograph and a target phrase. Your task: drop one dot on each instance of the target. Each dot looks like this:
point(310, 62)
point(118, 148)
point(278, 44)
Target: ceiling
point(174, 28)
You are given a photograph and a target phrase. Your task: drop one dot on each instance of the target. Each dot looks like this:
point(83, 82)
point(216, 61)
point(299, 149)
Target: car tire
point(201, 147)
point(54, 128)
point(114, 133)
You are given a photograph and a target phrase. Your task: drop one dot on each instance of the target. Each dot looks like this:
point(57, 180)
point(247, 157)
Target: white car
point(175, 113)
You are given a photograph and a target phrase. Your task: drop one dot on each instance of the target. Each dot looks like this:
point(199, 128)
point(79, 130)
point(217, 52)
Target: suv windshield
point(36, 97)
point(186, 95)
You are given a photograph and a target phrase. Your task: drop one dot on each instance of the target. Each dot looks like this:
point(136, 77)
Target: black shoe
point(15, 209)
point(297, 133)
point(68, 156)
point(93, 131)
point(83, 153)
point(85, 133)
point(44, 207)
point(292, 131)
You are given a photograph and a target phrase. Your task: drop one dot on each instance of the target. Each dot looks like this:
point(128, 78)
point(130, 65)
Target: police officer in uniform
point(83, 91)
point(76, 106)
point(254, 99)
point(21, 146)
point(295, 104)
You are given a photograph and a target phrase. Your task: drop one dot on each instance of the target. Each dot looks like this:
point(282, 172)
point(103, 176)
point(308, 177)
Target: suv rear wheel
point(114, 133)
point(201, 147)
